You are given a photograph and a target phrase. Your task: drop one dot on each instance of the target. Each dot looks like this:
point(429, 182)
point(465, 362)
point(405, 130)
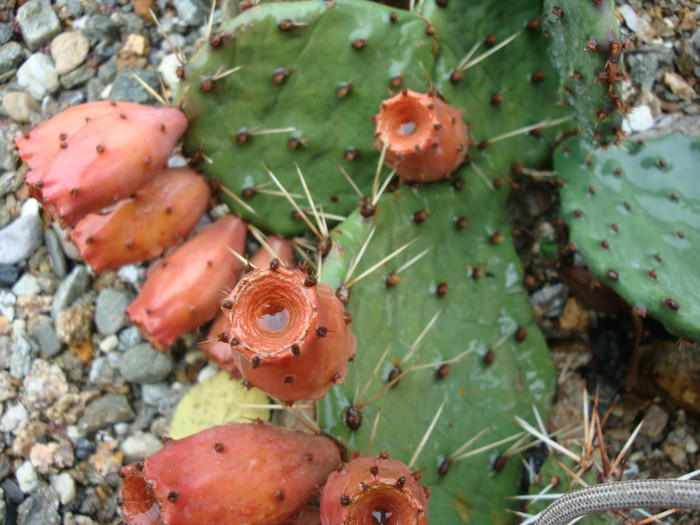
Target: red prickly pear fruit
point(140, 228)
point(216, 344)
point(183, 291)
point(106, 160)
point(41, 143)
point(425, 139)
point(290, 334)
point(239, 473)
point(307, 516)
point(374, 490)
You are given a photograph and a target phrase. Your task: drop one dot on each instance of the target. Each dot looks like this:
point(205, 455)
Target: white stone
point(19, 106)
point(30, 207)
point(38, 76)
point(168, 70)
point(139, 446)
point(109, 343)
point(64, 484)
point(26, 285)
point(641, 27)
point(69, 50)
point(678, 86)
point(13, 417)
point(26, 477)
point(638, 120)
point(208, 372)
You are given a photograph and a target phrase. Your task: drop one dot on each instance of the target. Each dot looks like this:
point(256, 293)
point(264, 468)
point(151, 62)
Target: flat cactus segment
point(312, 76)
point(513, 88)
point(586, 47)
point(465, 294)
point(634, 214)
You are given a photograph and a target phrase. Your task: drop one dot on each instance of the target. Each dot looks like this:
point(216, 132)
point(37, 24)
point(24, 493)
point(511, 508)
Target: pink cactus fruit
point(184, 290)
point(140, 228)
point(425, 139)
point(290, 334)
point(374, 490)
point(106, 160)
point(239, 473)
point(215, 345)
point(43, 142)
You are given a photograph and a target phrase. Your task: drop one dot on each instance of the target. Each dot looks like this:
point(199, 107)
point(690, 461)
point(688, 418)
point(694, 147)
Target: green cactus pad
point(321, 68)
point(513, 88)
point(634, 214)
point(586, 48)
point(471, 275)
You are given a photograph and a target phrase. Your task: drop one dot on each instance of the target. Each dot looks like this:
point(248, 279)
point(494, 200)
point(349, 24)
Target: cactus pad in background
point(586, 50)
point(481, 354)
point(634, 214)
point(315, 70)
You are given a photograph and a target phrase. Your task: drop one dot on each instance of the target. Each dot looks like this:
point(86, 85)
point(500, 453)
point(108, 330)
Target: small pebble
point(41, 328)
point(14, 415)
point(21, 237)
point(26, 477)
point(74, 324)
point(189, 12)
point(127, 88)
point(84, 448)
point(68, 247)
point(19, 106)
point(638, 120)
point(58, 258)
point(105, 410)
point(131, 274)
point(139, 446)
point(129, 337)
point(145, 364)
point(37, 22)
point(69, 50)
point(153, 393)
point(109, 343)
point(64, 485)
point(26, 285)
point(37, 76)
point(73, 286)
point(8, 302)
point(11, 56)
point(549, 301)
point(21, 355)
point(41, 508)
point(8, 275)
point(110, 310)
point(44, 383)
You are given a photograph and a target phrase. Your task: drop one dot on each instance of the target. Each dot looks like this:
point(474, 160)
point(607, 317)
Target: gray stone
point(6, 33)
point(9, 182)
point(69, 50)
point(108, 71)
point(8, 275)
point(11, 55)
point(8, 300)
point(153, 393)
point(21, 355)
point(145, 364)
point(127, 88)
point(38, 76)
point(41, 508)
point(8, 132)
point(102, 374)
point(26, 285)
point(94, 89)
point(58, 258)
point(99, 28)
point(549, 301)
point(37, 22)
point(19, 106)
point(68, 247)
point(105, 410)
point(110, 311)
point(73, 286)
point(21, 237)
point(43, 385)
point(129, 337)
point(77, 77)
point(189, 12)
point(40, 327)
point(75, 7)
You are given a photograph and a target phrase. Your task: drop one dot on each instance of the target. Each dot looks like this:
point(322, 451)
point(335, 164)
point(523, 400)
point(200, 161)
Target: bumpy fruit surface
point(239, 473)
point(425, 139)
point(290, 334)
point(184, 290)
point(107, 159)
point(374, 488)
point(140, 228)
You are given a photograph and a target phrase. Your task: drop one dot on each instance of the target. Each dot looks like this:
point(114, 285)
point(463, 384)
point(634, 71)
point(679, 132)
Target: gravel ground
point(75, 403)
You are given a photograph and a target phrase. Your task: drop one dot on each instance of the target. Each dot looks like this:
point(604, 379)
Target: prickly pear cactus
point(586, 50)
point(312, 75)
point(634, 214)
point(480, 359)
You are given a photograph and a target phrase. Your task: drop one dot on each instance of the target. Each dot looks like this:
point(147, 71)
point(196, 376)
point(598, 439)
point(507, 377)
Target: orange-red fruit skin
point(307, 353)
point(140, 228)
point(107, 159)
point(45, 140)
point(371, 488)
point(184, 290)
point(234, 474)
point(221, 352)
point(425, 139)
